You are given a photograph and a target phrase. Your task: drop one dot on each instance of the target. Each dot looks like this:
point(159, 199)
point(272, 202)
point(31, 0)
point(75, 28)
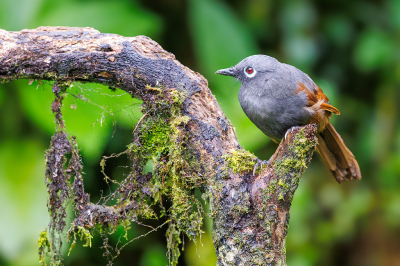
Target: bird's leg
point(291, 130)
point(260, 163)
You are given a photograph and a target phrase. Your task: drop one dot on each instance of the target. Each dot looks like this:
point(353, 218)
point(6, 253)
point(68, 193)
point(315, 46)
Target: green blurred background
point(350, 48)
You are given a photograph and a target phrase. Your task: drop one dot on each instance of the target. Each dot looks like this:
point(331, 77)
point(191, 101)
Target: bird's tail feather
point(337, 156)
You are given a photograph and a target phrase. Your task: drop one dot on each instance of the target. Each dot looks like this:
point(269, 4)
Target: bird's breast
point(274, 116)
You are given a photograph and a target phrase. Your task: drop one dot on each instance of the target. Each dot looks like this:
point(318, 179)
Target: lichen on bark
point(251, 226)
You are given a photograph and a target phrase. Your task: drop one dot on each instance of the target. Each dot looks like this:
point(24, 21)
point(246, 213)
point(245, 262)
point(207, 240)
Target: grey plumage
point(277, 96)
point(269, 98)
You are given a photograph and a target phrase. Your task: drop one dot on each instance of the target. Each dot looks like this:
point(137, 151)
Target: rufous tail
point(337, 156)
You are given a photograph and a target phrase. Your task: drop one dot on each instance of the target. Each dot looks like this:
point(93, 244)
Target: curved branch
point(251, 212)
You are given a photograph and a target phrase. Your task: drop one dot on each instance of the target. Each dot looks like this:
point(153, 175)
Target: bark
point(251, 212)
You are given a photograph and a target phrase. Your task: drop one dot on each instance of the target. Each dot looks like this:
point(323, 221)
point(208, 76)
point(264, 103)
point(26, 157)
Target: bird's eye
point(250, 72)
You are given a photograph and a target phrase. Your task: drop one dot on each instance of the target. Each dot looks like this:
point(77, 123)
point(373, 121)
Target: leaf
point(394, 11)
point(154, 255)
point(36, 102)
point(374, 49)
point(22, 199)
point(18, 14)
point(121, 17)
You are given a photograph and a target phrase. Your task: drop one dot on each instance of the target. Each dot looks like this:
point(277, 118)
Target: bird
point(277, 97)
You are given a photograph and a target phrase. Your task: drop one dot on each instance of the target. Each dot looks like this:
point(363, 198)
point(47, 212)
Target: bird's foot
point(260, 163)
point(291, 130)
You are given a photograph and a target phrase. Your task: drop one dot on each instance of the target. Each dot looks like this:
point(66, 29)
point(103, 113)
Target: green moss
point(271, 187)
point(126, 224)
point(240, 161)
point(163, 139)
point(286, 165)
point(266, 197)
point(283, 189)
point(148, 87)
point(290, 168)
point(173, 242)
point(213, 195)
point(44, 247)
point(297, 160)
point(241, 205)
point(84, 235)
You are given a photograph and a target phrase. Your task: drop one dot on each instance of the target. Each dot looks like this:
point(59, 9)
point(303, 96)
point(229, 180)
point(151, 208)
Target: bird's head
point(251, 68)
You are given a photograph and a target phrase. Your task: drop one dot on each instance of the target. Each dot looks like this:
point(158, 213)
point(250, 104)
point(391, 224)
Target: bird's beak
point(226, 72)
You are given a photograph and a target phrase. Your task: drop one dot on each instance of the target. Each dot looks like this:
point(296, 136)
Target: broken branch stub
point(184, 131)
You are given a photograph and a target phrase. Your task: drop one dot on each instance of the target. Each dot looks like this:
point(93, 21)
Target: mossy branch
point(184, 132)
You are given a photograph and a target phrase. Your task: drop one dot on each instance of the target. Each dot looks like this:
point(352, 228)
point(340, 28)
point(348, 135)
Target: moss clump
point(242, 205)
point(81, 232)
point(162, 139)
point(44, 247)
point(266, 197)
point(290, 168)
point(286, 165)
point(298, 151)
point(213, 196)
point(271, 188)
point(240, 161)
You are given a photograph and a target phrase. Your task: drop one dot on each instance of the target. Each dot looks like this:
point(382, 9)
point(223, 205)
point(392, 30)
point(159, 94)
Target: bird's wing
point(316, 96)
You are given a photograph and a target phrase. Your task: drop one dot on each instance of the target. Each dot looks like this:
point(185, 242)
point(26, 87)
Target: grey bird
point(277, 96)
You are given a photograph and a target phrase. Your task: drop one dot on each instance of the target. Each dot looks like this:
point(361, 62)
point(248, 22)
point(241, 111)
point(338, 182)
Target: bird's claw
point(291, 130)
point(260, 163)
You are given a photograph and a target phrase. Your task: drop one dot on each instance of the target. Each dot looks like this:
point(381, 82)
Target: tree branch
point(251, 213)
